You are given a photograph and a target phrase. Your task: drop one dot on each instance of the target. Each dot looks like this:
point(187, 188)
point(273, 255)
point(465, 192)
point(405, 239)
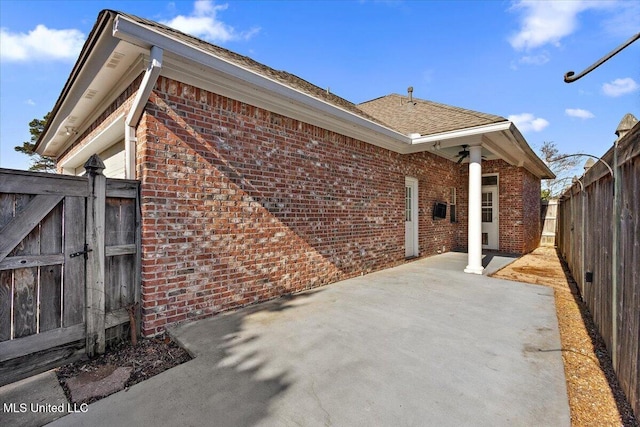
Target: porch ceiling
point(498, 141)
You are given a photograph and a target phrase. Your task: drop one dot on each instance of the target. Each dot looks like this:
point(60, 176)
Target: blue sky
point(501, 57)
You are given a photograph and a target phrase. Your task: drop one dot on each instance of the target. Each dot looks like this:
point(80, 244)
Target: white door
point(411, 217)
point(490, 218)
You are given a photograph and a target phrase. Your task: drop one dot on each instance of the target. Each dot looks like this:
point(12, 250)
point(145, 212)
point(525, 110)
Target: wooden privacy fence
point(548, 217)
point(69, 265)
point(599, 237)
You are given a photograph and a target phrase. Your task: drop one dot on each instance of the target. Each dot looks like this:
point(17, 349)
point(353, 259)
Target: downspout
point(139, 103)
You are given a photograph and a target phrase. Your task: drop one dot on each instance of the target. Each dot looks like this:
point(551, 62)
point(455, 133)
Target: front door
point(411, 217)
point(490, 218)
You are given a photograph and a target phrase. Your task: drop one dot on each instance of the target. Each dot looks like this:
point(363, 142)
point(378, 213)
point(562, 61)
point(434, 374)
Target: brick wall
point(240, 205)
point(531, 187)
point(518, 203)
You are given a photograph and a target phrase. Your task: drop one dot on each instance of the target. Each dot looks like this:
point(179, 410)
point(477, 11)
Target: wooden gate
point(69, 266)
point(548, 214)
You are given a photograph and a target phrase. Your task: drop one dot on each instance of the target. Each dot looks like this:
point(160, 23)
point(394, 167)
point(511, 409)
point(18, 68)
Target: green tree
point(562, 168)
point(39, 163)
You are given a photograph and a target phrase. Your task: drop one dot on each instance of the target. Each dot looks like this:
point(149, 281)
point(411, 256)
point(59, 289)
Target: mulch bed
point(148, 358)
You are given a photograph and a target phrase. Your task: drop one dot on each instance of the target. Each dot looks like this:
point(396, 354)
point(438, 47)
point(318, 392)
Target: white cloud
point(527, 121)
point(204, 23)
point(620, 87)
point(540, 59)
point(547, 22)
point(42, 43)
point(623, 21)
point(30, 102)
point(579, 113)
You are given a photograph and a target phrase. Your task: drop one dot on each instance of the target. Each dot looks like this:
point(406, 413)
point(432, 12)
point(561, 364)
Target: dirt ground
point(595, 396)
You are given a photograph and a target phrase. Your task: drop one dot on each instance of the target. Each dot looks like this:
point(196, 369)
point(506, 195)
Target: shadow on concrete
point(600, 349)
point(228, 383)
point(239, 382)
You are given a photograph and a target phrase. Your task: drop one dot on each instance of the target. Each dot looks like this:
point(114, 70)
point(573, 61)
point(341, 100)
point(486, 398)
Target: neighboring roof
point(424, 117)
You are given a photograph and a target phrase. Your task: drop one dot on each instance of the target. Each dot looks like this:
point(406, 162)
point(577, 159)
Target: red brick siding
point(436, 177)
point(240, 205)
point(531, 187)
point(519, 207)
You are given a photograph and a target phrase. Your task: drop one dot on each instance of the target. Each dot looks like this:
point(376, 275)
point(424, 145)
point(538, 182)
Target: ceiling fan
point(464, 153)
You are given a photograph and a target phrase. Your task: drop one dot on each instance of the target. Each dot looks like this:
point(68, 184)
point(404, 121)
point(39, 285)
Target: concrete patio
point(420, 344)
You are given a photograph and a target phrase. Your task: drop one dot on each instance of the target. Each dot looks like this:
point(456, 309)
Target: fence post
point(95, 296)
point(615, 245)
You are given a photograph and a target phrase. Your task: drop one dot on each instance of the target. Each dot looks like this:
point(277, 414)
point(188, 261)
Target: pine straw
point(595, 396)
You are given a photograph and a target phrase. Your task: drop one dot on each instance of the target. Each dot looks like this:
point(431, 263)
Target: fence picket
point(590, 250)
point(43, 311)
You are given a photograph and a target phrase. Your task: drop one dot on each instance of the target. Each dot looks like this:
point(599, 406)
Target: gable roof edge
point(92, 40)
point(127, 29)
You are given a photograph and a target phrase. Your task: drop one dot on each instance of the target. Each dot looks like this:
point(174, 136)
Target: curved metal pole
point(579, 155)
point(571, 76)
point(574, 180)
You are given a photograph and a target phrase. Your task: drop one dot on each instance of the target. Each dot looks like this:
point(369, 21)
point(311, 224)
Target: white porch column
point(475, 212)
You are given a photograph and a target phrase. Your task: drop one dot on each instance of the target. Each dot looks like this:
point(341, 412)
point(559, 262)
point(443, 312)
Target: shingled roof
point(393, 111)
point(391, 121)
point(424, 117)
point(248, 63)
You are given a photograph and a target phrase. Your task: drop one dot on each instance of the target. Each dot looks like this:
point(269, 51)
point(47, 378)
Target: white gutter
point(536, 163)
point(140, 35)
point(139, 103)
point(527, 158)
point(256, 85)
point(463, 133)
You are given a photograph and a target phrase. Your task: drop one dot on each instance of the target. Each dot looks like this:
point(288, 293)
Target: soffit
point(107, 66)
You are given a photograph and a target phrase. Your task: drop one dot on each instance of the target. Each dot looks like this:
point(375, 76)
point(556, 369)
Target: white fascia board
point(518, 153)
point(462, 133)
point(533, 163)
point(505, 153)
point(100, 142)
point(137, 34)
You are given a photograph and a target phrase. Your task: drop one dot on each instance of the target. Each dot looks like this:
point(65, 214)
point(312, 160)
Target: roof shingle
point(288, 79)
point(392, 111)
point(424, 117)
